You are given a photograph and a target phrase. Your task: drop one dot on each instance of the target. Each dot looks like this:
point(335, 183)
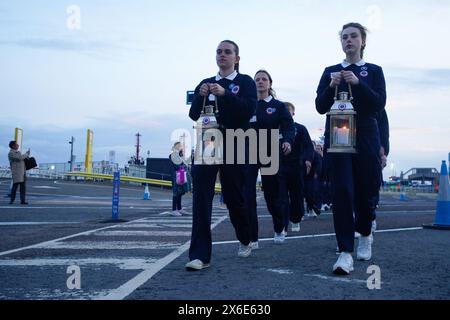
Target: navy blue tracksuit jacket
point(293, 172)
point(355, 178)
point(269, 115)
point(236, 108)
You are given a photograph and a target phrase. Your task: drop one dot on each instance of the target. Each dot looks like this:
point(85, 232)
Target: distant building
point(112, 156)
point(422, 175)
point(104, 167)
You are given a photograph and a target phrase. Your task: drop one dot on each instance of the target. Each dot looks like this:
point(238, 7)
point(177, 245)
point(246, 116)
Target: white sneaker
point(374, 226)
point(364, 250)
point(254, 245)
point(175, 213)
point(184, 212)
point(357, 235)
point(344, 264)
point(284, 232)
point(279, 238)
point(244, 251)
point(196, 265)
point(295, 227)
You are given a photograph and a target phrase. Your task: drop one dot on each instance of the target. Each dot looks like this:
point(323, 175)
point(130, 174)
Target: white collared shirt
point(218, 77)
point(360, 63)
point(268, 99)
point(229, 77)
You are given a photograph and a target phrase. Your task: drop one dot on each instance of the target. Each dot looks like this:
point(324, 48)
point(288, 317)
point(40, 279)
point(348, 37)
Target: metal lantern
point(209, 139)
point(342, 123)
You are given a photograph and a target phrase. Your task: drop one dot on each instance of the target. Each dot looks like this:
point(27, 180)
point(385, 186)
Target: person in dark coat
point(18, 171)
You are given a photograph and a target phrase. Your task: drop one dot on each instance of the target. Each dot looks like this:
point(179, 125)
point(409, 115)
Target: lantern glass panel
point(341, 127)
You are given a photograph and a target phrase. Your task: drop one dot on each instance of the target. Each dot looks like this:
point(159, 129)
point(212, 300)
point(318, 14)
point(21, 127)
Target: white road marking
point(45, 187)
point(380, 212)
point(93, 207)
point(50, 242)
point(280, 271)
point(150, 266)
point(31, 223)
point(169, 213)
point(125, 263)
point(126, 289)
point(319, 235)
point(147, 233)
point(336, 279)
point(157, 225)
point(174, 220)
point(51, 294)
point(399, 229)
point(287, 238)
point(109, 245)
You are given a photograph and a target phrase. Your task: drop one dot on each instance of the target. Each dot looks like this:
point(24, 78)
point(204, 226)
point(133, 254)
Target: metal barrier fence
point(166, 180)
point(154, 182)
point(410, 189)
point(5, 173)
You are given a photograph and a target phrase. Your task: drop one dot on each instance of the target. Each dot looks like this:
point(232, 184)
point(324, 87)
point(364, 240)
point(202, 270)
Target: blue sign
point(189, 97)
point(115, 197)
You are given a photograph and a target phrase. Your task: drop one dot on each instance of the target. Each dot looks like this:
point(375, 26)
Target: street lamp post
point(72, 140)
point(147, 165)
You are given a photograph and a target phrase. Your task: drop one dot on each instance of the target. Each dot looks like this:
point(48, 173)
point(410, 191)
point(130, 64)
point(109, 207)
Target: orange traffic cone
point(442, 219)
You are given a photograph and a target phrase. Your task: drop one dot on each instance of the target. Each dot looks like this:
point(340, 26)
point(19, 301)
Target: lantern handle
point(204, 105)
point(349, 90)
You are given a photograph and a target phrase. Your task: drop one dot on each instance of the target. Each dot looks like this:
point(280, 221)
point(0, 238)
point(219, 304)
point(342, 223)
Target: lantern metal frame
point(207, 135)
point(342, 123)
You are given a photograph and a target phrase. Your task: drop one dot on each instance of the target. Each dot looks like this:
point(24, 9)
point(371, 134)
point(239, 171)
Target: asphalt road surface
point(62, 246)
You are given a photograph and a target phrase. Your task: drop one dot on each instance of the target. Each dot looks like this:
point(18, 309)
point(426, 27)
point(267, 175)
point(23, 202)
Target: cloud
point(421, 130)
point(59, 44)
point(423, 78)
point(142, 121)
point(95, 48)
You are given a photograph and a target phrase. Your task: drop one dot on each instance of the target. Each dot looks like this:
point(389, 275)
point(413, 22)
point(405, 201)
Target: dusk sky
point(122, 67)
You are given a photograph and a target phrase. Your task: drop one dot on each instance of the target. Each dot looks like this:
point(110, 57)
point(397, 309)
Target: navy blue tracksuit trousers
point(292, 177)
point(355, 182)
point(313, 192)
point(233, 182)
point(251, 179)
point(275, 195)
